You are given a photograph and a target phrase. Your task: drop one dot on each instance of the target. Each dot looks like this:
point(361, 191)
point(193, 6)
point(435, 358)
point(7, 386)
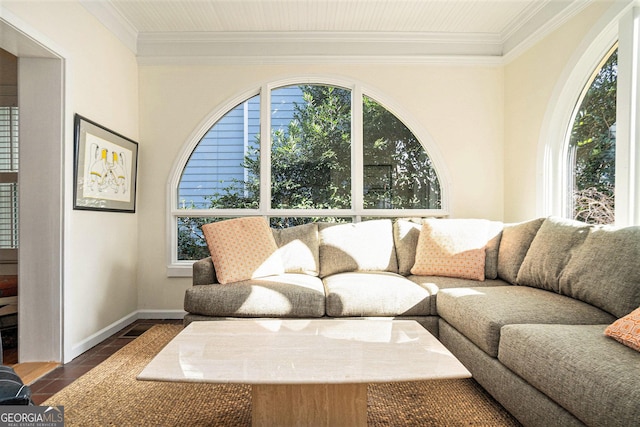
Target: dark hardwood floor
point(64, 375)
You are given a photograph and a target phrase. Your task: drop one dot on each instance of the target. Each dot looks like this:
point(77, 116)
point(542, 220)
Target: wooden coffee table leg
point(309, 405)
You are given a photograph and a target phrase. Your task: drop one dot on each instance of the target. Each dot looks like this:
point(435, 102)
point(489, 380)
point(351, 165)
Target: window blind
point(9, 177)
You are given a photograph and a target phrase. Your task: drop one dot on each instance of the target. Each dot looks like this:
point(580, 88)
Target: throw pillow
point(242, 249)
point(298, 247)
point(452, 248)
point(363, 246)
point(626, 330)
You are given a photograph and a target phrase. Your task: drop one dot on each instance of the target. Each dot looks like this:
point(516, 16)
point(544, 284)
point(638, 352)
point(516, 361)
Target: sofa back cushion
point(299, 248)
point(363, 246)
point(514, 244)
point(604, 271)
point(407, 231)
point(242, 249)
point(405, 236)
point(550, 251)
point(492, 249)
point(203, 272)
point(452, 248)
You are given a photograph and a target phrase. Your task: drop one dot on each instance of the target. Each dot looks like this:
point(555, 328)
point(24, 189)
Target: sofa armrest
point(203, 272)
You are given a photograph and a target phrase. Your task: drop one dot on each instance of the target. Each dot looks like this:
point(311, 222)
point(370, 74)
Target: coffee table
point(305, 372)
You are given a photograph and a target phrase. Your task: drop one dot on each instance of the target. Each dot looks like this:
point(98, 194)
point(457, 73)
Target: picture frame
point(105, 168)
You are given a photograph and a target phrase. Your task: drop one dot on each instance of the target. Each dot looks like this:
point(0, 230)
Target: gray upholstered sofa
point(531, 333)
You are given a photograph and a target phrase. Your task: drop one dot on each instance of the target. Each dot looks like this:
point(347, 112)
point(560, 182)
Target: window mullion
point(357, 151)
point(265, 149)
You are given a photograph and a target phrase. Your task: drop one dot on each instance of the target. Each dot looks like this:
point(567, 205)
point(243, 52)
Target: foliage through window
point(311, 148)
point(592, 148)
point(311, 172)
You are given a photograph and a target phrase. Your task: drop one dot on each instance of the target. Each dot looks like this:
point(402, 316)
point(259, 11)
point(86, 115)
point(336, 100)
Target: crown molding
point(295, 47)
point(113, 20)
point(462, 60)
point(544, 21)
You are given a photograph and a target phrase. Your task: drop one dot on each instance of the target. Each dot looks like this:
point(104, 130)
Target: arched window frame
point(621, 24)
point(180, 268)
point(569, 206)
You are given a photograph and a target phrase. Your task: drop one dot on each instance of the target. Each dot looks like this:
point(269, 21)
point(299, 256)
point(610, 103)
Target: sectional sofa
point(523, 306)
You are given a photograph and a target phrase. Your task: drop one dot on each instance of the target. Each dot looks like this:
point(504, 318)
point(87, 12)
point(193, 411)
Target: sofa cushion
point(514, 244)
point(605, 270)
point(299, 248)
point(550, 251)
point(363, 246)
point(375, 294)
point(492, 249)
point(242, 249)
point(405, 235)
point(452, 248)
point(479, 312)
point(286, 295)
point(626, 330)
point(435, 283)
point(593, 377)
point(203, 272)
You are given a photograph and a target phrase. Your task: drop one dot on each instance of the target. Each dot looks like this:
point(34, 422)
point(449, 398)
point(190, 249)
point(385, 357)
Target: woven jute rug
point(110, 395)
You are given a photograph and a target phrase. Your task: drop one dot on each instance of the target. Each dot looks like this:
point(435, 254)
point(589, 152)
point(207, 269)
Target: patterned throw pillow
point(626, 330)
point(452, 248)
point(242, 249)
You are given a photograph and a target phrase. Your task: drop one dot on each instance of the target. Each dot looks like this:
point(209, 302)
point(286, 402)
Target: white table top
point(330, 351)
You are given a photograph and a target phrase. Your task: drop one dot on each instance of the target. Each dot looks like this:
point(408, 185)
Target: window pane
point(191, 242)
point(192, 245)
point(593, 148)
point(311, 147)
point(285, 222)
point(398, 174)
point(223, 171)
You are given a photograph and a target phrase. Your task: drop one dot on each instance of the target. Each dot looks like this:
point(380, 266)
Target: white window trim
point(553, 147)
point(176, 268)
point(628, 120)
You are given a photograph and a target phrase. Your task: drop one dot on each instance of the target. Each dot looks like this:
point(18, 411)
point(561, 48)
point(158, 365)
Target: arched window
point(298, 153)
point(592, 147)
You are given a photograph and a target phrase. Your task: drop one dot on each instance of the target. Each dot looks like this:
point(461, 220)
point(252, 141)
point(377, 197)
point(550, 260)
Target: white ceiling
point(347, 30)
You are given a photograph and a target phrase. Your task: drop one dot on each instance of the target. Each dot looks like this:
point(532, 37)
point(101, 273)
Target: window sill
point(179, 270)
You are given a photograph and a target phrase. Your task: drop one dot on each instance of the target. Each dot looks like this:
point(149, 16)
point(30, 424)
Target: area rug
point(110, 395)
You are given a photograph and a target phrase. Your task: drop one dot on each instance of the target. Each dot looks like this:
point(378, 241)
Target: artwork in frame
point(105, 168)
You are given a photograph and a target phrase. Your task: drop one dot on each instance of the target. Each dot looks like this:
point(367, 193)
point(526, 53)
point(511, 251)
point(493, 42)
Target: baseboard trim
point(106, 332)
point(161, 314)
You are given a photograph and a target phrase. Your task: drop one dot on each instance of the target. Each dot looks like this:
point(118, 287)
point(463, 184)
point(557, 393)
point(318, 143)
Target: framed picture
point(105, 168)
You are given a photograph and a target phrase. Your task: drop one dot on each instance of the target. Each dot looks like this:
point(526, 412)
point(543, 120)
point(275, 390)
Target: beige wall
point(530, 82)
point(101, 79)
point(459, 109)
